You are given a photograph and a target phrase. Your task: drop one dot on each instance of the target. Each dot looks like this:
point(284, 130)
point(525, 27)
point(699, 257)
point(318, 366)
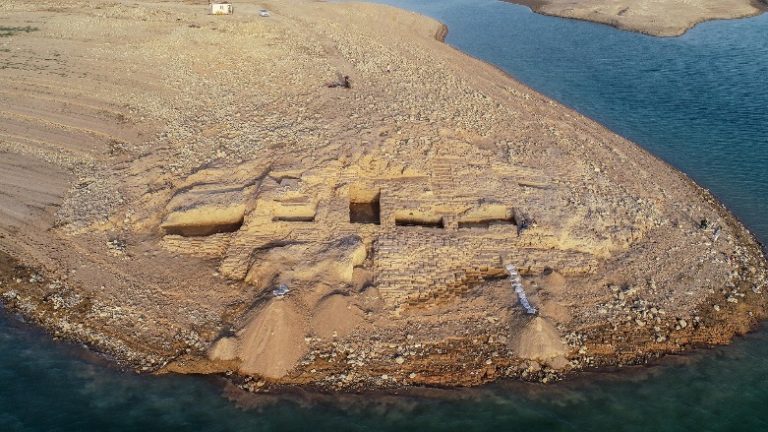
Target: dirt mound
point(539, 340)
point(336, 316)
point(270, 344)
point(553, 282)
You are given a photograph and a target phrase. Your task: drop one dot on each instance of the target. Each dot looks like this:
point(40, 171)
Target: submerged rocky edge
point(200, 194)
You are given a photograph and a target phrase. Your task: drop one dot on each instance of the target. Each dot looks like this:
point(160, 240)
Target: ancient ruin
point(281, 231)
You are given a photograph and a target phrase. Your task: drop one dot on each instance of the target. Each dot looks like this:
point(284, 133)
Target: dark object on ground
point(703, 224)
point(10, 31)
point(523, 222)
point(342, 81)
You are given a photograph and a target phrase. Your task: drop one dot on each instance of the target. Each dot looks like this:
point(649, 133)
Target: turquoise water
point(699, 101)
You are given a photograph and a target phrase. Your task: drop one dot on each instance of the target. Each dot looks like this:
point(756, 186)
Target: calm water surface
point(699, 101)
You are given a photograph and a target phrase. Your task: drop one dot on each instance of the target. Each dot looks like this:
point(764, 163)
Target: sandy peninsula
point(332, 197)
point(652, 17)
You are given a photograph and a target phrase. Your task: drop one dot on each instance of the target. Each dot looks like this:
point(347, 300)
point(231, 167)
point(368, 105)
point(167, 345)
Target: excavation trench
point(203, 230)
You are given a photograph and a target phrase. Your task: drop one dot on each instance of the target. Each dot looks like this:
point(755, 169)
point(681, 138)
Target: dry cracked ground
point(202, 194)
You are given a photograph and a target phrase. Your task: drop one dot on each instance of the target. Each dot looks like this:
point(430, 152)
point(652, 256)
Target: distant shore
point(662, 19)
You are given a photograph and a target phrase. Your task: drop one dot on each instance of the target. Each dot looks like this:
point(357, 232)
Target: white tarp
point(517, 284)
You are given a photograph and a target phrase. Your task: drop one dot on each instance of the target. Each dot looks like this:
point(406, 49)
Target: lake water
point(699, 101)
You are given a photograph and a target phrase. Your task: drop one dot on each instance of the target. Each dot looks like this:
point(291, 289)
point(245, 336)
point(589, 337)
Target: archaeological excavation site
point(206, 203)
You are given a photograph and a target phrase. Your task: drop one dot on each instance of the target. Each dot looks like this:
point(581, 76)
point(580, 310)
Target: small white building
point(222, 8)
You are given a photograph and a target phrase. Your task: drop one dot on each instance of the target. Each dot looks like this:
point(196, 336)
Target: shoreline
point(241, 391)
point(537, 6)
point(719, 329)
point(248, 399)
point(705, 193)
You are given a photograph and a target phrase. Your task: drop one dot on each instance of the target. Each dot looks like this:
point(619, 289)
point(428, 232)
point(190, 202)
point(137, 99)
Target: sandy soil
point(163, 171)
point(653, 17)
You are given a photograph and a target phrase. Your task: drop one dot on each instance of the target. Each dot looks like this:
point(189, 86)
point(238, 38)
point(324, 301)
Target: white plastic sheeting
point(517, 284)
point(280, 291)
